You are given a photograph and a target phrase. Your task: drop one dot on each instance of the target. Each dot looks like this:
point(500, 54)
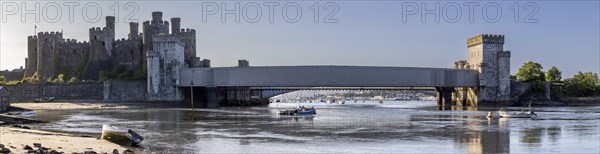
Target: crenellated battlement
point(461, 64)
point(50, 36)
point(485, 38)
point(187, 33)
point(156, 23)
point(504, 54)
point(99, 29)
point(168, 38)
point(122, 41)
point(33, 37)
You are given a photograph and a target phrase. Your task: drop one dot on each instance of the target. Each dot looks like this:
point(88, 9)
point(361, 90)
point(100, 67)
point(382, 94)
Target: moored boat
point(45, 99)
point(301, 110)
point(522, 114)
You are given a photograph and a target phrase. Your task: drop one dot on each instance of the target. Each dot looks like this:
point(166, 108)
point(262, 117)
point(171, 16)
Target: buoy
point(490, 115)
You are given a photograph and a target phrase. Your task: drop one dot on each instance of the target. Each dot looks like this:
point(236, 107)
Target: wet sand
point(15, 139)
point(69, 106)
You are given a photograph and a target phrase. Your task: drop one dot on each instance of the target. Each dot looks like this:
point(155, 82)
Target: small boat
point(28, 113)
point(45, 99)
point(120, 136)
point(380, 102)
point(301, 110)
point(341, 102)
point(522, 114)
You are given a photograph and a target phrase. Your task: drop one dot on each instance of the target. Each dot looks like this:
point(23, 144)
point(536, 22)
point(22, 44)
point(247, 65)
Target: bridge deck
point(327, 76)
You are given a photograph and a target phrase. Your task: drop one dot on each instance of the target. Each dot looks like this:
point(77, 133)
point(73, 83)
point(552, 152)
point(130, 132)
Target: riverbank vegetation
point(582, 84)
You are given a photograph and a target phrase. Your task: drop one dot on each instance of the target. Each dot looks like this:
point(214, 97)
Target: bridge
point(288, 78)
point(483, 78)
point(300, 77)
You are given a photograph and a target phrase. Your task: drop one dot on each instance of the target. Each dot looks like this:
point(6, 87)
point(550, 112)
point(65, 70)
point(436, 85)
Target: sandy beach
point(67, 106)
point(15, 139)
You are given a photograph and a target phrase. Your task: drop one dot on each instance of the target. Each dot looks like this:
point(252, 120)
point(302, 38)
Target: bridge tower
point(487, 55)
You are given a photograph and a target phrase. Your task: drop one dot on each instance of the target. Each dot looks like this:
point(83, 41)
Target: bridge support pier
point(212, 97)
point(444, 97)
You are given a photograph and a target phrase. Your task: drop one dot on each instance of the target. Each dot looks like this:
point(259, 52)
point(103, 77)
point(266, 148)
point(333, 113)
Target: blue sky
point(566, 34)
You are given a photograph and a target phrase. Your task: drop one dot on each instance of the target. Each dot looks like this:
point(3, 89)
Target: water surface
point(391, 127)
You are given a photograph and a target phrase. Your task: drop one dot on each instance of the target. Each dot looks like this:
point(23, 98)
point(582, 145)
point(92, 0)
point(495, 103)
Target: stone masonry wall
point(80, 91)
point(130, 91)
point(108, 91)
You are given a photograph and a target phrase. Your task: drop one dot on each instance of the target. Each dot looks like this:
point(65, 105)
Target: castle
point(50, 54)
point(486, 55)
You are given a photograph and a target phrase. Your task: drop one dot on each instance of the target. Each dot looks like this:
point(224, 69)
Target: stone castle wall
point(121, 91)
point(109, 91)
point(80, 91)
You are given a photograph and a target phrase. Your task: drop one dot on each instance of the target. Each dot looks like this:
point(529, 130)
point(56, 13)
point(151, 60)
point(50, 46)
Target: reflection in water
point(532, 135)
point(553, 133)
point(411, 127)
point(483, 136)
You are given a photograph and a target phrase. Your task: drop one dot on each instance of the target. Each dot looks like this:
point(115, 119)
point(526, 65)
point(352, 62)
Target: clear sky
point(565, 34)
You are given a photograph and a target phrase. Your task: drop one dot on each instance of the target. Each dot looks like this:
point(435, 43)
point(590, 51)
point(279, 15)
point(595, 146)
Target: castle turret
point(134, 30)
point(175, 25)
point(189, 39)
point(31, 64)
point(157, 17)
point(110, 25)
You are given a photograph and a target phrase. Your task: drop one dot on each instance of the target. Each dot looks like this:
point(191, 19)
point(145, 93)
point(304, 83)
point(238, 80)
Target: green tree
point(554, 75)
point(583, 85)
point(2, 79)
point(530, 71)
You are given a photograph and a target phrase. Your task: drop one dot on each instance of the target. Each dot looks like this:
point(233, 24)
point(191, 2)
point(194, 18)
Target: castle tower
point(31, 64)
point(189, 39)
point(101, 48)
point(156, 17)
point(48, 45)
point(134, 30)
point(175, 25)
point(110, 22)
point(164, 62)
point(487, 55)
point(151, 28)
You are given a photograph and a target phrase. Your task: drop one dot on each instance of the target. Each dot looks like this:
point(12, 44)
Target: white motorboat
point(522, 114)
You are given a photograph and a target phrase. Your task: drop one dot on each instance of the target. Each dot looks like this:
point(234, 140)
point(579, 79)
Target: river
point(354, 127)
